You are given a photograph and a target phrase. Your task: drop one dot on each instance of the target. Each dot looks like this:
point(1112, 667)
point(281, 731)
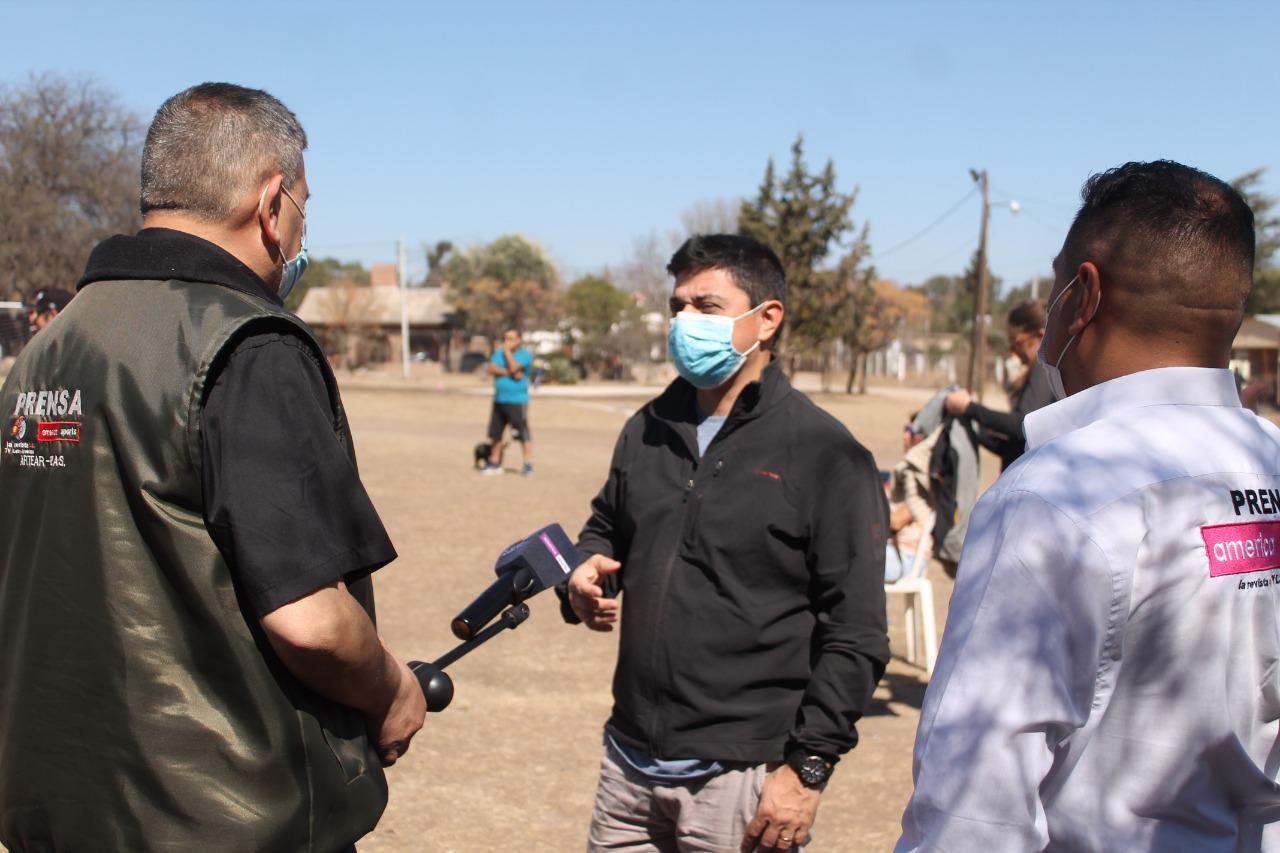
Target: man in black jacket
point(746, 528)
point(1001, 432)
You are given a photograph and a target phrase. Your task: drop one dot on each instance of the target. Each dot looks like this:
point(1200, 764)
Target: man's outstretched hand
point(587, 598)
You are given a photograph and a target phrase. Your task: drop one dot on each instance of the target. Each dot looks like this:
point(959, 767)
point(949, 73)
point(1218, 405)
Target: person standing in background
point(510, 368)
point(1001, 432)
point(46, 305)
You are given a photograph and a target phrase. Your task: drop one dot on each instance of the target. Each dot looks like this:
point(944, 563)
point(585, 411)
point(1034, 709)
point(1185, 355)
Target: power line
point(934, 224)
point(388, 245)
point(1053, 228)
point(932, 265)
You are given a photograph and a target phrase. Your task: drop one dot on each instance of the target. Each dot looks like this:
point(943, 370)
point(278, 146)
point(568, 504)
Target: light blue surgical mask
point(294, 269)
point(701, 346)
point(1051, 370)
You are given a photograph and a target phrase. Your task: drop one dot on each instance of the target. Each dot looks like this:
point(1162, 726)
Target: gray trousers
point(638, 814)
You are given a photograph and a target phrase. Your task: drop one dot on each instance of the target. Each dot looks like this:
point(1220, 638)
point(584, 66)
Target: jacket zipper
point(687, 520)
point(661, 612)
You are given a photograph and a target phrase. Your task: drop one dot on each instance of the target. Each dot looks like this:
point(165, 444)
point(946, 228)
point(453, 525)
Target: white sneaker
point(490, 469)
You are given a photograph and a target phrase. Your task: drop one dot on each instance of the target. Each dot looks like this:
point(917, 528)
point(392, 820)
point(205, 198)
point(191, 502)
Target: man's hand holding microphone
point(393, 722)
point(329, 643)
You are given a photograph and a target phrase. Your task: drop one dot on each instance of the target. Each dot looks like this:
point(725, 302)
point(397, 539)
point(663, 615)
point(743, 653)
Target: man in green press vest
point(188, 653)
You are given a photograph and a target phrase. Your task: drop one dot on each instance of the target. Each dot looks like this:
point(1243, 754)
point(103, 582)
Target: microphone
point(540, 560)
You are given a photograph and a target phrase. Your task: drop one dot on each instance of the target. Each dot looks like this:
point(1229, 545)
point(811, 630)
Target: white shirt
point(1108, 676)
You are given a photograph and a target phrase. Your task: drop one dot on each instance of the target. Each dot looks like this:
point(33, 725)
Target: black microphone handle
point(508, 589)
point(437, 686)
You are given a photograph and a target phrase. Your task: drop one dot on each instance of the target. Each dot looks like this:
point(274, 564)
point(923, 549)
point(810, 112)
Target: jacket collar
point(1191, 386)
point(677, 406)
point(162, 254)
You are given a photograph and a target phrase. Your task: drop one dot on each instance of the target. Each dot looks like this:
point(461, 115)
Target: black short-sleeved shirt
point(282, 500)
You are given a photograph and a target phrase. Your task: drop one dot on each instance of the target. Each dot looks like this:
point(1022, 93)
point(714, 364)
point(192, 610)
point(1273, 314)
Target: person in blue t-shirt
point(510, 368)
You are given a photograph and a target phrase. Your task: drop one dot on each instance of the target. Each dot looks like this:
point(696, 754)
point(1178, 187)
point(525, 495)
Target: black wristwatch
point(813, 770)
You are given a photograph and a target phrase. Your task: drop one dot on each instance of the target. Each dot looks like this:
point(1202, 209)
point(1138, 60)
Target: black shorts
point(515, 414)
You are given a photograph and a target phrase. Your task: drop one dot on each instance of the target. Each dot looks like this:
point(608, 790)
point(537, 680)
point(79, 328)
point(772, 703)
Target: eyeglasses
point(295, 202)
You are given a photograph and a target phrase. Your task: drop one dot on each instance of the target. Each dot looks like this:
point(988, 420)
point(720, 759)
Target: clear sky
point(585, 126)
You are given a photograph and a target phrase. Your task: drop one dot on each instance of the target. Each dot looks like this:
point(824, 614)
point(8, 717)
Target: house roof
point(1257, 333)
point(373, 306)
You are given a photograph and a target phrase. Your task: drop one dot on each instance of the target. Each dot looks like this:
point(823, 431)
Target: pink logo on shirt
point(1236, 549)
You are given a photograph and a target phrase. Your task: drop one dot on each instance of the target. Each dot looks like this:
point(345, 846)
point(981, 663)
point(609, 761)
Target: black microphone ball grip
point(437, 686)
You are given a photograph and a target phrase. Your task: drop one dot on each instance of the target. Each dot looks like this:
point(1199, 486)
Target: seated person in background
point(910, 503)
point(1001, 432)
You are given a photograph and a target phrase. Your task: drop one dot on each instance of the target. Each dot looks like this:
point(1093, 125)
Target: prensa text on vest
point(58, 402)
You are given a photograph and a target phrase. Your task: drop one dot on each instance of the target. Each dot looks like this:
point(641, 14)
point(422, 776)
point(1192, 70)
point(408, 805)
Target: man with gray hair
point(188, 653)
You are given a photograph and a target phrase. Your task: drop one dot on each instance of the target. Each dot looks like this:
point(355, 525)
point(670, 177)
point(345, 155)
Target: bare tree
point(345, 310)
point(711, 216)
point(645, 272)
point(69, 171)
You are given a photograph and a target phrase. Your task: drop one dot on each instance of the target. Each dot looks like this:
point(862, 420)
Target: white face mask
point(1051, 370)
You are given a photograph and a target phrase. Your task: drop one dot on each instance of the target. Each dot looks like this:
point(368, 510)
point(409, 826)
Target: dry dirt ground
point(511, 765)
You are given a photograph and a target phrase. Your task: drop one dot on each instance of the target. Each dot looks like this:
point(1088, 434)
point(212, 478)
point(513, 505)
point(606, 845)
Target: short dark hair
point(1178, 240)
point(209, 144)
point(751, 264)
point(1027, 316)
point(50, 299)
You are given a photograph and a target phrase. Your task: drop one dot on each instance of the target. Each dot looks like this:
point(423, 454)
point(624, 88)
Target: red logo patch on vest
point(58, 431)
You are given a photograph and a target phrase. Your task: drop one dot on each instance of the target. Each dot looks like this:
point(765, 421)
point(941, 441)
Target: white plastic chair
point(918, 590)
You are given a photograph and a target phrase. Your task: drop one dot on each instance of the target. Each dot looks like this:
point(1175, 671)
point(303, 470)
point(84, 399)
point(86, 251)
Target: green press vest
point(140, 708)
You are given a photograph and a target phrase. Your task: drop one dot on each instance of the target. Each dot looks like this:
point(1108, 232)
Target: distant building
point(1255, 353)
point(384, 275)
point(361, 325)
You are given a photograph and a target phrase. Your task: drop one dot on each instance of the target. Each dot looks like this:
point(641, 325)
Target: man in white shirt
point(1108, 677)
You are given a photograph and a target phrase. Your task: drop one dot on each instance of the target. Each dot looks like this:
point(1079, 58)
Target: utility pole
point(977, 347)
point(404, 308)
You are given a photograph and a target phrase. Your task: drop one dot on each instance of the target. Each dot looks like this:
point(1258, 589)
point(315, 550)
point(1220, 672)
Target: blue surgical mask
point(701, 346)
point(294, 269)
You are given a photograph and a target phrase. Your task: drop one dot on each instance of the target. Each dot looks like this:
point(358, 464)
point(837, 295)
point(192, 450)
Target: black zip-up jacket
point(1002, 432)
point(753, 617)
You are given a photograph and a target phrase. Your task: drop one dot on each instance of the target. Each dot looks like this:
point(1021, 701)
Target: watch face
point(813, 771)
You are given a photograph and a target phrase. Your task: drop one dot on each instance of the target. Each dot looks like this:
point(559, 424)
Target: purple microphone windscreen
point(548, 554)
